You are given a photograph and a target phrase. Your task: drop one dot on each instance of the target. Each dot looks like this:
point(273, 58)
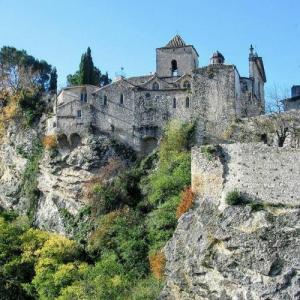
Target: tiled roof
point(176, 42)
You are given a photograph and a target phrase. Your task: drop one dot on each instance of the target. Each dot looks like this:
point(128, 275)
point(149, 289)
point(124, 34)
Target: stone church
point(135, 110)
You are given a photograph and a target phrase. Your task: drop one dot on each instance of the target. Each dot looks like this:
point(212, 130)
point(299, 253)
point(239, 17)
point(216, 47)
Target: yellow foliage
point(157, 264)
point(32, 240)
point(50, 142)
point(58, 247)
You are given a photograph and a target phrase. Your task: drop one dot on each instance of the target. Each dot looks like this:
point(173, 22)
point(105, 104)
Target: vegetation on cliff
point(116, 250)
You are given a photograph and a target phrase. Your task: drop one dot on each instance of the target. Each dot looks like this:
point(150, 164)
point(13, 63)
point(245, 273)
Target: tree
point(53, 81)
point(88, 73)
point(20, 71)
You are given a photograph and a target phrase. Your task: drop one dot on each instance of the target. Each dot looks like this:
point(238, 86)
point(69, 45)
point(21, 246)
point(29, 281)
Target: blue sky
point(126, 33)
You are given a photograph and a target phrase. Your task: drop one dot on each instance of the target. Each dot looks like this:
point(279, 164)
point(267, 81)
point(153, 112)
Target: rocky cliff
point(61, 174)
point(235, 254)
point(247, 250)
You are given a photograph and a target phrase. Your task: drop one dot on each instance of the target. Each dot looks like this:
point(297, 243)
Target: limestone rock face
point(234, 254)
point(14, 148)
point(62, 174)
point(63, 178)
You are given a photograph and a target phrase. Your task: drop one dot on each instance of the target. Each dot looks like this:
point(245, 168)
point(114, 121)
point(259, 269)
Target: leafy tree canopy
point(21, 71)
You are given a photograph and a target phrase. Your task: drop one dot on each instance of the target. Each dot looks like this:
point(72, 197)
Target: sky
point(126, 33)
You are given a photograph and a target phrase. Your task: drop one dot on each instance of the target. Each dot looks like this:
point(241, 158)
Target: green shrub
point(235, 198)
point(257, 206)
point(209, 151)
point(146, 289)
point(29, 188)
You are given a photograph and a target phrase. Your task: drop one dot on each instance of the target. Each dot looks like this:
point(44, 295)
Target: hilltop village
point(178, 185)
point(135, 110)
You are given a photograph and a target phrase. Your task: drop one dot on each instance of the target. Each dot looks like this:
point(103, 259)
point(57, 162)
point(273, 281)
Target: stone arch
point(148, 144)
point(174, 67)
point(63, 142)
point(75, 140)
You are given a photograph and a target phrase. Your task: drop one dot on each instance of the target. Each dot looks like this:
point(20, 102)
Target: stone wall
point(186, 58)
point(263, 173)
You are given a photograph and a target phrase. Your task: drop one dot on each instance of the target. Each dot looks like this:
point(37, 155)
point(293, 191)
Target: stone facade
point(136, 109)
point(294, 101)
point(261, 172)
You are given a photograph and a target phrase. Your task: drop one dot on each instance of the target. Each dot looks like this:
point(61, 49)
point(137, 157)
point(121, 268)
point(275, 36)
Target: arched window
point(121, 99)
point(187, 102)
point(105, 100)
point(155, 86)
point(174, 103)
point(174, 67)
point(186, 85)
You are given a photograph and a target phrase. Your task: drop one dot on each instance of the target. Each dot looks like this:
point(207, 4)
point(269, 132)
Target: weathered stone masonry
point(135, 110)
point(267, 174)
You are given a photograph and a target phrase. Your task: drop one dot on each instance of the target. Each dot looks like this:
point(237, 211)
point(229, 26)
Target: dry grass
point(186, 202)
point(157, 264)
point(50, 142)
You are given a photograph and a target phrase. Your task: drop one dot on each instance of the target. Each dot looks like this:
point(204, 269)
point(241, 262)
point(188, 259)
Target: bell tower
point(176, 58)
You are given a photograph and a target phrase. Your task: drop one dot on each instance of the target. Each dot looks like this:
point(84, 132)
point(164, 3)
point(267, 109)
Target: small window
point(155, 86)
point(83, 97)
point(174, 103)
point(54, 124)
point(147, 95)
point(187, 102)
point(121, 99)
point(112, 128)
point(105, 100)
point(186, 85)
point(78, 113)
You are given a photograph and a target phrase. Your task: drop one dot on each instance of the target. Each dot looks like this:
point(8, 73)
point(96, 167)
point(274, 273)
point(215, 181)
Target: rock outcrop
point(248, 250)
point(62, 174)
point(239, 253)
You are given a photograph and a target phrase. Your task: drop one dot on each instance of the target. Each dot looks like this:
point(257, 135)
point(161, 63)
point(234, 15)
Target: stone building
point(294, 101)
point(135, 110)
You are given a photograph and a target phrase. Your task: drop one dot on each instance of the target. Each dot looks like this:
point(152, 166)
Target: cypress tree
point(53, 81)
point(88, 73)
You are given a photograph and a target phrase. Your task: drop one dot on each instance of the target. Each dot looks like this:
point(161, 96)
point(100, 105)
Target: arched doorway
point(75, 140)
point(148, 145)
point(62, 141)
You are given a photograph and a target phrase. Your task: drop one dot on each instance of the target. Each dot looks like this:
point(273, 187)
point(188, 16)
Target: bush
point(29, 184)
point(50, 142)
point(235, 198)
point(146, 289)
point(161, 223)
point(186, 202)
point(209, 151)
point(157, 264)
